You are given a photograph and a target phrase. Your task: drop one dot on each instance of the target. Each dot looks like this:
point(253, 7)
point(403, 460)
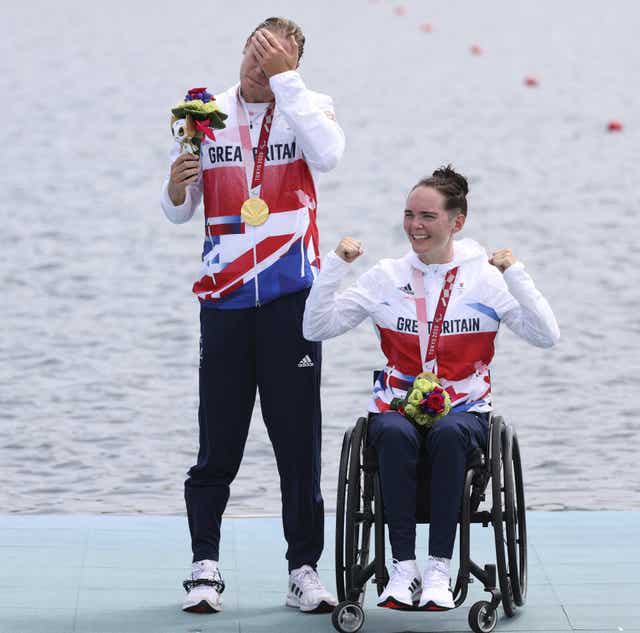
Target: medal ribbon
point(254, 168)
point(429, 340)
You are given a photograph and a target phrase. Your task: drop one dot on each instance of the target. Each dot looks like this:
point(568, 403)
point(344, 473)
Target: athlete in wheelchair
point(436, 311)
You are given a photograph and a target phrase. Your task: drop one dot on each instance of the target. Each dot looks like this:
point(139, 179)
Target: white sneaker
point(203, 588)
point(307, 593)
point(436, 585)
point(404, 586)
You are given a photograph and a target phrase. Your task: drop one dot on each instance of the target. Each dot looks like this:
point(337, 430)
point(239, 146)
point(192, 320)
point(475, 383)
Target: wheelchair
point(359, 508)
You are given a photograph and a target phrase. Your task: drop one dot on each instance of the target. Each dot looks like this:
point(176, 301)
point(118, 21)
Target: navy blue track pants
point(399, 445)
point(242, 350)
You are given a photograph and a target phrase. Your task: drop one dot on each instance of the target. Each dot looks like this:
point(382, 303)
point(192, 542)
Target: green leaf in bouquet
point(216, 120)
point(197, 115)
point(216, 117)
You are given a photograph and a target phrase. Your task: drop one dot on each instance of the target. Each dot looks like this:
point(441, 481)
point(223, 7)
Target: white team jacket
point(481, 299)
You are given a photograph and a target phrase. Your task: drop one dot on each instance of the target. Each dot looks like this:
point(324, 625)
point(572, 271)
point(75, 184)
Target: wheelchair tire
point(357, 527)
point(482, 618)
point(500, 449)
point(516, 522)
point(340, 515)
point(347, 617)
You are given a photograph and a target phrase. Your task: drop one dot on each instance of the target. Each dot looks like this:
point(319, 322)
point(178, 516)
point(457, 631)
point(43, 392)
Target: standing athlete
point(259, 260)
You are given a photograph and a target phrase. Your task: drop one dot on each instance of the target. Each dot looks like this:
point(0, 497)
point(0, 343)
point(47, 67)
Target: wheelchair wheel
point(515, 521)
point(500, 450)
point(482, 618)
point(352, 551)
point(340, 514)
point(347, 617)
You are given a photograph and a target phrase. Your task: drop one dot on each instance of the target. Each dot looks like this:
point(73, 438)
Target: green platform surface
point(111, 574)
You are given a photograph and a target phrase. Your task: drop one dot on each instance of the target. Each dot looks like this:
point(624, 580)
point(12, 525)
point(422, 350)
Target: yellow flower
point(423, 419)
point(411, 410)
point(424, 385)
point(212, 106)
point(430, 376)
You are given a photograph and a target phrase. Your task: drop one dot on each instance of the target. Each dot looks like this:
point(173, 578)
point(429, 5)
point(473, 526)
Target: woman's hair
point(452, 185)
point(285, 27)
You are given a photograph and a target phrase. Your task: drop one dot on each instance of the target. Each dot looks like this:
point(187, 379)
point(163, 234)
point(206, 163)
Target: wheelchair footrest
point(390, 603)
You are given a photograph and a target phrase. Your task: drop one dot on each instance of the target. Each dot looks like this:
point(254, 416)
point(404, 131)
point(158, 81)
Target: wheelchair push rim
point(353, 523)
point(509, 524)
point(516, 524)
point(340, 514)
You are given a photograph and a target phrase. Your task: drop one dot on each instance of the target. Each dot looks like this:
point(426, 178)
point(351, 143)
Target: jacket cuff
point(513, 270)
point(333, 265)
point(178, 209)
point(178, 214)
point(286, 82)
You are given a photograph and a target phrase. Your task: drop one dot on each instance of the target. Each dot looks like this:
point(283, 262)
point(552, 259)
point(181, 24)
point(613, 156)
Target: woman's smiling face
point(429, 227)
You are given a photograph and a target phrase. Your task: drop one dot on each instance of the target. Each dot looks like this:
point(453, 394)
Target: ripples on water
point(99, 329)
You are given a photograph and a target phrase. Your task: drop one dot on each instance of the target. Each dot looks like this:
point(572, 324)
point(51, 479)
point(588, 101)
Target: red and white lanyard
point(429, 340)
point(254, 168)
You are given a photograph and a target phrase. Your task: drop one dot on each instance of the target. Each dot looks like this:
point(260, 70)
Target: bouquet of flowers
point(194, 118)
point(426, 401)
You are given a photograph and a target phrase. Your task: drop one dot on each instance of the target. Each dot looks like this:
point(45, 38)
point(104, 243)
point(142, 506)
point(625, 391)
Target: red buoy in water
point(400, 10)
point(530, 81)
point(426, 27)
point(476, 49)
point(614, 126)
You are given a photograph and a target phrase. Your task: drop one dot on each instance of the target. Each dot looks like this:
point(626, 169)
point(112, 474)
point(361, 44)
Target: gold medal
point(254, 211)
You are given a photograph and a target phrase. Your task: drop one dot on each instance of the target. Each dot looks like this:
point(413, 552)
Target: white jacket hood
point(467, 249)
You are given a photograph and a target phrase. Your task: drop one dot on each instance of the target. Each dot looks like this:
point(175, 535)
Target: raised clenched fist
point(349, 249)
point(502, 259)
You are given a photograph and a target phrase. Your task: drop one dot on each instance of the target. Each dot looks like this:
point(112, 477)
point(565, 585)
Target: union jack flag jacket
point(242, 265)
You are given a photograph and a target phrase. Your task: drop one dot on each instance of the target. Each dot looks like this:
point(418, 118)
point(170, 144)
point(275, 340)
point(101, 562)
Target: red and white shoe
point(404, 586)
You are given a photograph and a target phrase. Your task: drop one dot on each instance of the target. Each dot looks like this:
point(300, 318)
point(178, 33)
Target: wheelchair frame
point(359, 508)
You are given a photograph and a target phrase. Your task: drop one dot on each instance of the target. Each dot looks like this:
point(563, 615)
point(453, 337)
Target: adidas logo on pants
point(306, 362)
